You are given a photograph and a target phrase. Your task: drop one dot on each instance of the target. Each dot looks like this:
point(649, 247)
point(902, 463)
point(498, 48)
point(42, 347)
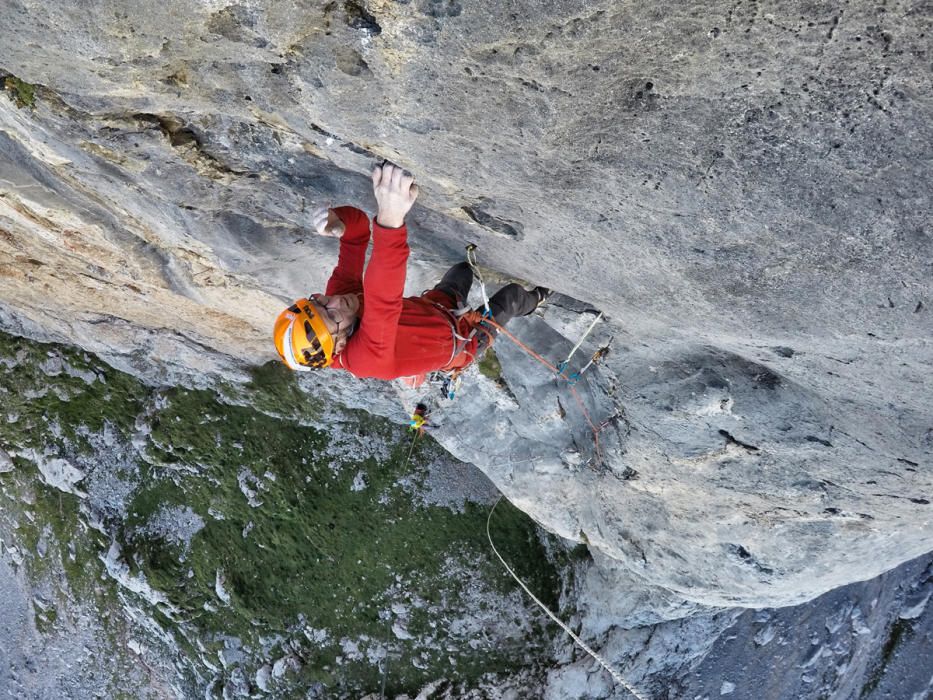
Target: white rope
point(612, 672)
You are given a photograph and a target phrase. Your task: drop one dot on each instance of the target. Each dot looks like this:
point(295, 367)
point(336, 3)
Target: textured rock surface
point(744, 190)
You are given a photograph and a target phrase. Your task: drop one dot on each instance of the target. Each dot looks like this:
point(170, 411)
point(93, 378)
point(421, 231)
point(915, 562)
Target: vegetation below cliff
point(271, 554)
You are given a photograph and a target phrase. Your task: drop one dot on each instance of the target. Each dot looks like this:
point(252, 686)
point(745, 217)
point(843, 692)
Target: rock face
point(743, 190)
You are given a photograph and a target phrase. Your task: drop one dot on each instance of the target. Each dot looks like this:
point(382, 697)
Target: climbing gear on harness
point(301, 337)
point(594, 360)
point(474, 266)
point(419, 419)
point(451, 384)
point(563, 365)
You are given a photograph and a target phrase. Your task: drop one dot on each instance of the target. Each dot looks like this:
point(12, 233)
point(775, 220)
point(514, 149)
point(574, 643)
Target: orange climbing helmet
point(302, 338)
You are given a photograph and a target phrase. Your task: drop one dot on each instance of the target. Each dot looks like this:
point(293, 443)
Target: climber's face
point(339, 312)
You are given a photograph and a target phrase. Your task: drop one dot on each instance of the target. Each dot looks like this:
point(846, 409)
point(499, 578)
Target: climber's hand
point(327, 223)
point(395, 193)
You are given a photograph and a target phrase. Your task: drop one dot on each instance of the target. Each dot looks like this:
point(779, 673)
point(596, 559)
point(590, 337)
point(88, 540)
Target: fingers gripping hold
point(395, 194)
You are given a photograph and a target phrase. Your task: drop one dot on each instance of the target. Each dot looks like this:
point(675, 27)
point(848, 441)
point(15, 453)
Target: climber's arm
point(352, 226)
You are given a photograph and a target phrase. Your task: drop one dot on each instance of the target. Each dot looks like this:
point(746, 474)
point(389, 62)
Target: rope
point(560, 375)
point(411, 449)
point(617, 677)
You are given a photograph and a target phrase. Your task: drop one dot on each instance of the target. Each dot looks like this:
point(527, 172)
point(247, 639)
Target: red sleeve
point(373, 344)
point(347, 277)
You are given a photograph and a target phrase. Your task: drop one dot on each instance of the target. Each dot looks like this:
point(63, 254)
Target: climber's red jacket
point(396, 336)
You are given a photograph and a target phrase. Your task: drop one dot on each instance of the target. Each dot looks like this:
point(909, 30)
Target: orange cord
point(476, 318)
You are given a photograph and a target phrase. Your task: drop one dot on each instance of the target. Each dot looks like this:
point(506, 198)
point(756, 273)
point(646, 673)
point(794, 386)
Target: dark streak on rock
point(814, 438)
point(511, 229)
point(746, 557)
point(350, 146)
point(733, 441)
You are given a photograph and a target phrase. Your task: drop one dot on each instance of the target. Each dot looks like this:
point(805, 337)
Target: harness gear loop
point(474, 266)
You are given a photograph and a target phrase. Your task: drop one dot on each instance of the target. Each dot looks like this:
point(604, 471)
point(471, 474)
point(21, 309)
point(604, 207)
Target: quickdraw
point(474, 266)
point(561, 367)
point(594, 360)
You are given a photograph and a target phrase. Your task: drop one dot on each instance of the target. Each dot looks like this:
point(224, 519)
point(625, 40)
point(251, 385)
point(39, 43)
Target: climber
point(362, 323)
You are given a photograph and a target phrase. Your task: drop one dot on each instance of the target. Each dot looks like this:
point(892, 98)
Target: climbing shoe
point(543, 294)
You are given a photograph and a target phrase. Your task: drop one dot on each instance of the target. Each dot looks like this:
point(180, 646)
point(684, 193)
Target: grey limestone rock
point(743, 189)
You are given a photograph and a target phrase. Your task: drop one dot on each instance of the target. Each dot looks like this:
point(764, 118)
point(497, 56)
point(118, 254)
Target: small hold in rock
point(921, 501)
point(649, 85)
point(713, 33)
point(783, 351)
point(919, 307)
point(814, 438)
point(358, 17)
point(730, 439)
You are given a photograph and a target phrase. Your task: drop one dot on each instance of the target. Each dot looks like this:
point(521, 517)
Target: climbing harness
point(451, 379)
point(583, 645)
point(561, 368)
